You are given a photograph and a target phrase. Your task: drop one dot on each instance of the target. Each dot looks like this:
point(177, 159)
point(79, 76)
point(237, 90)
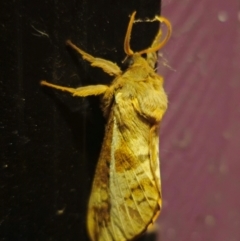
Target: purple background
point(200, 136)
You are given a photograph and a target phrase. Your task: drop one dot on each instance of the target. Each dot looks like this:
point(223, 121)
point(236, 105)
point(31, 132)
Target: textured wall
point(200, 138)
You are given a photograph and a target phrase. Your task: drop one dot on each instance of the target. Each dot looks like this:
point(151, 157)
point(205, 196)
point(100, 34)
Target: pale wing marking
point(146, 173)
point(113, 228)
point(127, 210)
point(133, 197)
point(141, 188)
point(123, 227)
point(120, 217)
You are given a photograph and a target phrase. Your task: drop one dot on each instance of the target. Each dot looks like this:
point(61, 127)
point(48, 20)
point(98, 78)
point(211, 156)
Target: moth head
point(133, 60)
point(155, 46)
point(128, 61)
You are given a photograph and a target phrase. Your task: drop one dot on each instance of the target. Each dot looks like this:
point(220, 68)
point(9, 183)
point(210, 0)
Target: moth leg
point(81, 91)
point(152, 56)
point(107, 66)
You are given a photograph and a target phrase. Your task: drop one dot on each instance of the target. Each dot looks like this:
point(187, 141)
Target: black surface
point(50, 141)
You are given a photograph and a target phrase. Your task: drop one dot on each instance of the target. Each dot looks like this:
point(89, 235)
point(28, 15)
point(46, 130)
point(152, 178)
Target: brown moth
point(126, 191)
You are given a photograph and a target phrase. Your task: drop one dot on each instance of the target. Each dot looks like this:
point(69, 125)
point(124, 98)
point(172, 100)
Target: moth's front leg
point(107, 66)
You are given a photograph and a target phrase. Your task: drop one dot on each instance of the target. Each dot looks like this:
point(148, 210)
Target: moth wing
point(98, 217)
point(135, 186)
point(126, 194)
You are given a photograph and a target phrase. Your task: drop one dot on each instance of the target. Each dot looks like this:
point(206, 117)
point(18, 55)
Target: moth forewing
point(126, 191)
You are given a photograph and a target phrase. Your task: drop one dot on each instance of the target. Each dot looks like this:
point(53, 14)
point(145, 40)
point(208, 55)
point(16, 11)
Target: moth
point(126, 191)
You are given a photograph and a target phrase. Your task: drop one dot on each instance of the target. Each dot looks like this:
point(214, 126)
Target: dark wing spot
point(124, 159)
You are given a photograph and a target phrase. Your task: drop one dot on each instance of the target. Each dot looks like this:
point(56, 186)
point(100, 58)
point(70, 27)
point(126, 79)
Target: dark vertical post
point(50, 141)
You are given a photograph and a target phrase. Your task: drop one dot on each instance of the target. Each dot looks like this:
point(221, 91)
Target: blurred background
point(50, 142)
point(200, 137)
